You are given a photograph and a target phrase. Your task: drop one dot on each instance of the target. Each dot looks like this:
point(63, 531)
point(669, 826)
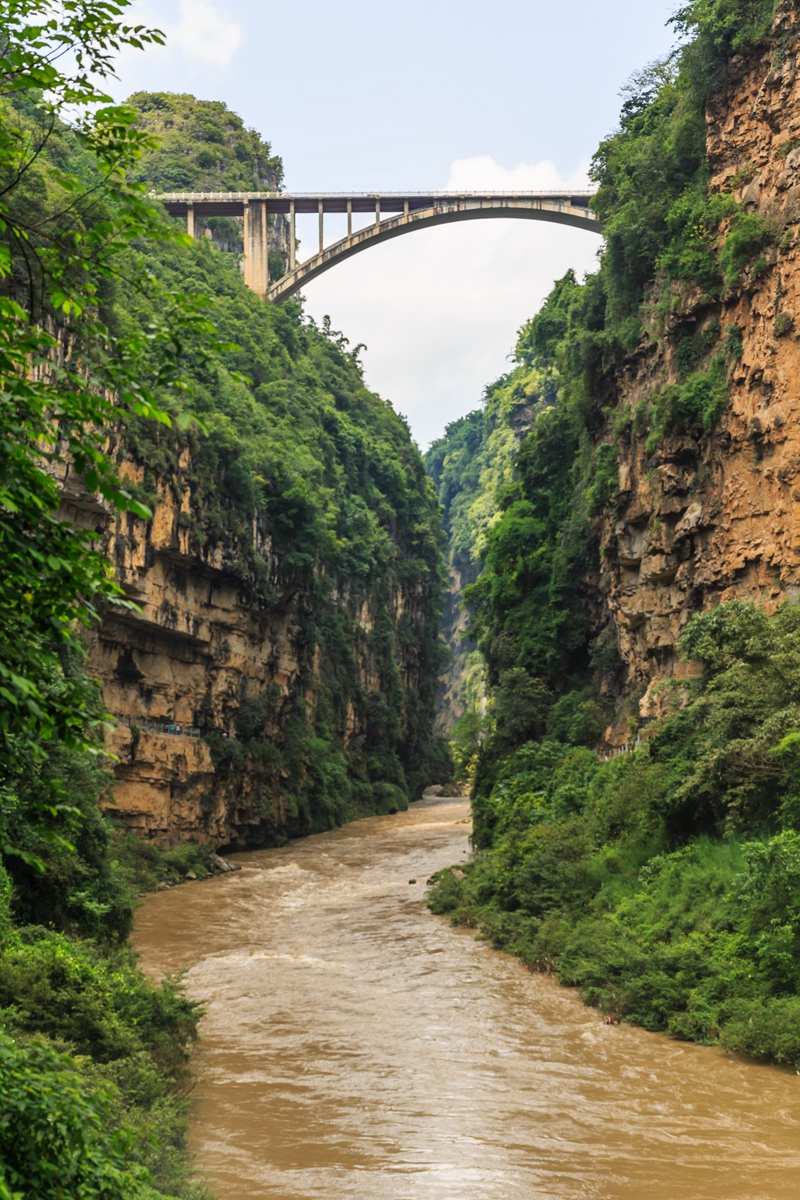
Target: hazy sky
point(420, 95)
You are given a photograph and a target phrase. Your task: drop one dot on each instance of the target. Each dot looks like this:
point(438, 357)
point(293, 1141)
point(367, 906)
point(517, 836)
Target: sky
point(423, 95)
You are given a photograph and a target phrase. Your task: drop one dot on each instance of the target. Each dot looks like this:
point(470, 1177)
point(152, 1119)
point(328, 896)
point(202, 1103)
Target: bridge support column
point(405, 210)
point(377, 211)
point(190, 219)
point(292, 238)
point(321, 213)
point(256, 247)
point(349, 219)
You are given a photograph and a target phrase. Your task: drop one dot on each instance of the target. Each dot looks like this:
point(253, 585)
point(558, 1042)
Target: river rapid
point(356, 1046)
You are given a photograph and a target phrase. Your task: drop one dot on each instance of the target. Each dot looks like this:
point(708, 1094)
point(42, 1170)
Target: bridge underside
point(414, 211)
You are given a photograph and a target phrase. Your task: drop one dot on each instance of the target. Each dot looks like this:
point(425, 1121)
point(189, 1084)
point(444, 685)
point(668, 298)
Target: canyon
point(697, 520)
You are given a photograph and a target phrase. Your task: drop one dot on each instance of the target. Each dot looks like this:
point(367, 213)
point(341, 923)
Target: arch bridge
point(391, 213)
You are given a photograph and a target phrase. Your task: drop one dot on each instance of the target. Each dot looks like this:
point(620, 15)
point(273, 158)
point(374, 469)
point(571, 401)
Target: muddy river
point(356, 1046)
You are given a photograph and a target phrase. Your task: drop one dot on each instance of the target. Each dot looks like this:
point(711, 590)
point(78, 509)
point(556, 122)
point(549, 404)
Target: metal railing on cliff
point(174, 728)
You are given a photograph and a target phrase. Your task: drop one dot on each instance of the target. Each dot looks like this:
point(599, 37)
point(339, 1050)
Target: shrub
point(54, 1136)
point(749, 234)
point(695, 406)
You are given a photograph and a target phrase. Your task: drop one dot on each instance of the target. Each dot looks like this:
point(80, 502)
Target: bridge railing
point(529, 194)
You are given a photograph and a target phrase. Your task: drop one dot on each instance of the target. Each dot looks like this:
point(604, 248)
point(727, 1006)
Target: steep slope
point(638, 580)
point(201, 146)
point(277, 675)
point(703, 517)
point(470, 465)
point(676, 372)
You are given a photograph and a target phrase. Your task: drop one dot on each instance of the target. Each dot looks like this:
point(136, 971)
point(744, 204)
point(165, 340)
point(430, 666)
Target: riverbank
point(355, 1045)
point(665, 883)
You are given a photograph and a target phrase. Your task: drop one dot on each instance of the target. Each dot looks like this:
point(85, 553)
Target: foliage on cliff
point(663, 882)
point(665, 235)
point(520, 522)
point(69, 218)
point(470, 465)
point(308, 490)
point(201, 146)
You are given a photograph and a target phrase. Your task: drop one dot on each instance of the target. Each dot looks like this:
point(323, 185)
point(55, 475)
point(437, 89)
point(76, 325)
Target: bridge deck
point(232, 204)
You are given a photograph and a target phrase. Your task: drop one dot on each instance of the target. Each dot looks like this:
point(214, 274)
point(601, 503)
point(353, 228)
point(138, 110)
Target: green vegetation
point(200, 145)
point(306, 485)
point(472, 466)
point(69, 221)
point(665, 882)
point(304, 482)
point(93, 1059)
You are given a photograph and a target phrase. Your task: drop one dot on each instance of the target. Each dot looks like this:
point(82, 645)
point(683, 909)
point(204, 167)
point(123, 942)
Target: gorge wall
point(634, 777)
point(468, 465)
point(654, 467)
point(701, 520)
point(273, 671)
point(240, 674)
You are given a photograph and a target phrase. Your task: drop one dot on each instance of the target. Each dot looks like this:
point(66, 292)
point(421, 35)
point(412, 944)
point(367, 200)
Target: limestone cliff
point(274, 671)
point(701, 520)
point(179, 669)
point(184, 657)
point(468, 464)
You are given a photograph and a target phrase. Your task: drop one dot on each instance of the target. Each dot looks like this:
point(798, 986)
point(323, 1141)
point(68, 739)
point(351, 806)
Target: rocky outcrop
point(700, 521)
point(181, 657)
point(178, 665)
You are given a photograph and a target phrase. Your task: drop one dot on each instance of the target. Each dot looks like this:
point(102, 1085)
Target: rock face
point(702, 521)
point(183, 661)
point(185, 654)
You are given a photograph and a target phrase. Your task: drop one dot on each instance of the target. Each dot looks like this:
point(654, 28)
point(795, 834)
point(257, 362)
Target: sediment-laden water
point(356, 1046)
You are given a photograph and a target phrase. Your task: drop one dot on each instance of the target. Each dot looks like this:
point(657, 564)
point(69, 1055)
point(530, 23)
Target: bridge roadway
point(410, 211)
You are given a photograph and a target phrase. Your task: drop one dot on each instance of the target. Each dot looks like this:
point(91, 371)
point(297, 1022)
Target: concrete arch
point(416, 210)
point(560, 212)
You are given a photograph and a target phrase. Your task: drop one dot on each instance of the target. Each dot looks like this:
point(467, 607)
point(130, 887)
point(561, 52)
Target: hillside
point(288, 582)
point(468, 465)
point(635, 777)
point(201, 146)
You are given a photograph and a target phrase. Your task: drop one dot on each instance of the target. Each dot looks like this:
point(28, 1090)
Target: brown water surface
point(356, 1046)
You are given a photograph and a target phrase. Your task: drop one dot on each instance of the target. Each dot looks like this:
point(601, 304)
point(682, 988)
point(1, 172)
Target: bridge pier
point(190, 220)
point(256, 247)
point(292, 238)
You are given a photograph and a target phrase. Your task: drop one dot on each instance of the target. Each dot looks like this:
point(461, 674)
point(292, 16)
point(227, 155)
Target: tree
point(67, 237)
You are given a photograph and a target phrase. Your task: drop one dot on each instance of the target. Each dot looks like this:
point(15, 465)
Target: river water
point(356, 1046)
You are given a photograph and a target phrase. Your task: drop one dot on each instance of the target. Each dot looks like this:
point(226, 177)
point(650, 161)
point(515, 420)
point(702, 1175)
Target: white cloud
point(475, 174)
point(205, 34)
point(439, 309)
point(199, 34)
